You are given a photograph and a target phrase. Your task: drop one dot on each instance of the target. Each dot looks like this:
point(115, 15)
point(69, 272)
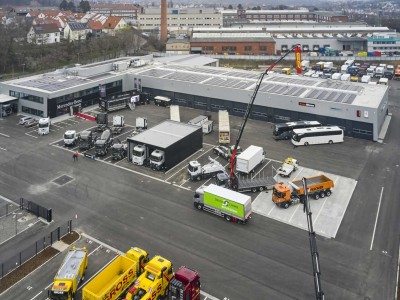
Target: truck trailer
point(117, 277)
point(118, 124)
point(69, 275)
point(249, 159)
point(165, 145)
point(199, 120)
point(224, 135)
point(318, 186)
point(231, 205)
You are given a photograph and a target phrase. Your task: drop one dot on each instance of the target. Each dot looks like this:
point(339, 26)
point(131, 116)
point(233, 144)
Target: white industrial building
point(360, 109)
point(179, 18)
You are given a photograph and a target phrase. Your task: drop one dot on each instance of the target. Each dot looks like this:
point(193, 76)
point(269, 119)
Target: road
point(264, 259)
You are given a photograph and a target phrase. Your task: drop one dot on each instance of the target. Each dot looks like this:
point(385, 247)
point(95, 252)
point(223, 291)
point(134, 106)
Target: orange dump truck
point(318, 187)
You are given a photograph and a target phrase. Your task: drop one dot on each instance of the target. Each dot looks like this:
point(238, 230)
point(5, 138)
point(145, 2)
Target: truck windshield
point(43, 125)
point(192, 169)
point(58, 295)
point(137, 153)
point(156, 158)
point(68, 136)
point(278, 194)
point(116, 150)
point(99, 146)
point(277, 129)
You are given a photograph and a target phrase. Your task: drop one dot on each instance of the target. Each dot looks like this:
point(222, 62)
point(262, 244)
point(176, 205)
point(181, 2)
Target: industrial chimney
point(163, 31)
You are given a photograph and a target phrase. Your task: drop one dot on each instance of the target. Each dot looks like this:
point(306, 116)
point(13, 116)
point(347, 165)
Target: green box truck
point(231, 205)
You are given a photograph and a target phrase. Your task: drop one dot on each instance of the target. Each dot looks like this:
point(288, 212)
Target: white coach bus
point(317, 135)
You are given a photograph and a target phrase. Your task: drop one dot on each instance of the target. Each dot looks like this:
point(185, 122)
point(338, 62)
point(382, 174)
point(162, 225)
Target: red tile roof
point(95, 25)
point(111, 22)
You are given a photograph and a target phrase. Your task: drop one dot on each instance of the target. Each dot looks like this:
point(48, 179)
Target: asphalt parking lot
point(125, 205)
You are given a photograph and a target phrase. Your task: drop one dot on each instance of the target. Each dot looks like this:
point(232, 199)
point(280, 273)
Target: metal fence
point(7, 208)
point(36, 209)
point(19, 258)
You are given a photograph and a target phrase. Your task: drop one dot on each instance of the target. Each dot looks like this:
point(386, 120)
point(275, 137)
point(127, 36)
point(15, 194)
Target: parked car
point(30, 123)
point(23, 120)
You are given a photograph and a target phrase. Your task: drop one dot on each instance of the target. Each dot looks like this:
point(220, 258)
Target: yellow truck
point(69, 275)
point(154, 282)
point(117, 277)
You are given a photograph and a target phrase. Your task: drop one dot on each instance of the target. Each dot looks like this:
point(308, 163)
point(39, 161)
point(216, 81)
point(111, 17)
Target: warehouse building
point(360, 109)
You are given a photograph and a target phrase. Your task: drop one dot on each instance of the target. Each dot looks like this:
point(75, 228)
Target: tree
point(71, 6)
point(240, 6)
point(84, 6)
point(230, 6)
point(64, 5)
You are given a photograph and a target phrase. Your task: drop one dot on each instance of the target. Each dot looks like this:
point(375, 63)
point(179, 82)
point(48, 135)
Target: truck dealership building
point(360, 109)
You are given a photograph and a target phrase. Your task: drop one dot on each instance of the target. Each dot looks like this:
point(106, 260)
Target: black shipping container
point(177, 140)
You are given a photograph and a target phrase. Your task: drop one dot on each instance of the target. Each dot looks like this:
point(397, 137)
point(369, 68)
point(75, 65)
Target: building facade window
point(32, 111)
point(263, 48)
point(248, 48)
point(26, 97)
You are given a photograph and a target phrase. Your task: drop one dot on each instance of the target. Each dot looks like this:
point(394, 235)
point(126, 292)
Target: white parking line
point(185, 165)
point(3, 149)
point(56, 126)
point(36, 295)
point(4, 135)
point(323, 204)
point(376, 220)
point(261, 169)
point(31, 135)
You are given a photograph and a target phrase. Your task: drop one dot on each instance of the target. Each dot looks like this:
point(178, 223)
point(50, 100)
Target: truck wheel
point(198, 178)
point(261, 188)
point(253, 190)
point(306, 144)
point(322, 194)
point(286, 205)
point(328, 193)
point(316, 196)
point(198, 206)
point(228, 218)
point(330, 142)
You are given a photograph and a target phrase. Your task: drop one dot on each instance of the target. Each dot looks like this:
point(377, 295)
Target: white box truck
point(224, 127)
point(228, 204)
point(249, 159)
point(208, 126)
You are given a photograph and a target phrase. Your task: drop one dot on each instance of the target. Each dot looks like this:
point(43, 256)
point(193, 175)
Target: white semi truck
point(198, 172)
point(249, 159)
point(44, 126)
point(228, 204)
point(141, 156)
point(118, 124)
point(70, 138)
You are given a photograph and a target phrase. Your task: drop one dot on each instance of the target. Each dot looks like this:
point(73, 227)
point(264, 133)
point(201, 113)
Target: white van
point(336, 76)
point(345, 77)
point(23, 120)
point(383, 81)
point(366, 79)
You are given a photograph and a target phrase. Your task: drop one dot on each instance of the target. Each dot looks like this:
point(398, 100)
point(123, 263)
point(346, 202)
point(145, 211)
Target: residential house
point(113, 24)
point(74, 31)
point(44, 34)
point(95, 27)
point(179, 45)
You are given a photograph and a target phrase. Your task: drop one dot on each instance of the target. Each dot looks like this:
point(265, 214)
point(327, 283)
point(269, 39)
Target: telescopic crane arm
point(232, 177)
point(319, 294)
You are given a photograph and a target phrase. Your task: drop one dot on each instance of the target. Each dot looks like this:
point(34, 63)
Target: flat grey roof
point(289, 85)
point(6, 98)
point(164, 134)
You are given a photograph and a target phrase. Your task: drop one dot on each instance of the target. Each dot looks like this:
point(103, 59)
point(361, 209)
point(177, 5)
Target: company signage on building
point(306, 104)
point(70, 103)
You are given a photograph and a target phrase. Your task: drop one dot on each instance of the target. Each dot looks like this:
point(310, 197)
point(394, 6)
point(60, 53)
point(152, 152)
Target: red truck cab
point(185, 286)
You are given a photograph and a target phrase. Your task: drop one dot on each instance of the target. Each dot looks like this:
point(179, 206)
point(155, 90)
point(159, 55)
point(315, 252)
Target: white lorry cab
point(44, 126)
point(70, 138)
